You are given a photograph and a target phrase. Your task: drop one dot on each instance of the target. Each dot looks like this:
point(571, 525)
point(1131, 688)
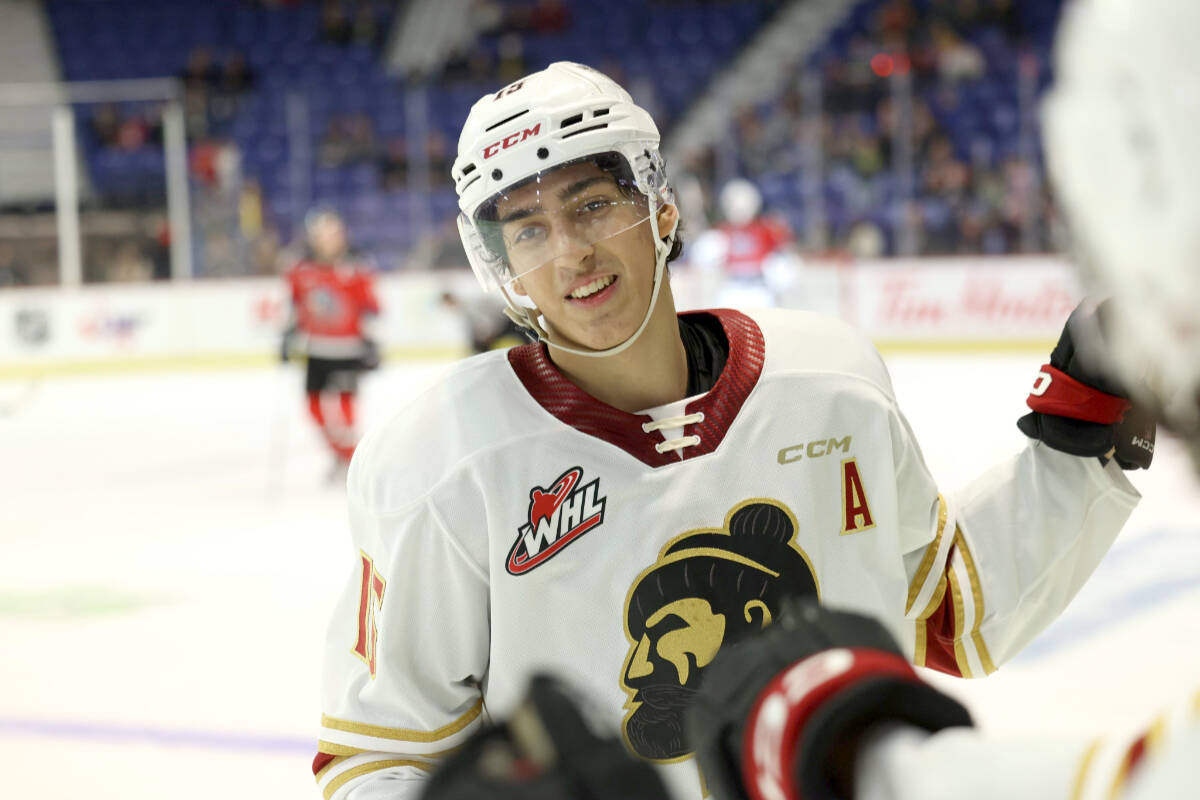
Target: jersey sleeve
point(1159, 763)
point(368, 301)
point(991, 565)
point(405, 655)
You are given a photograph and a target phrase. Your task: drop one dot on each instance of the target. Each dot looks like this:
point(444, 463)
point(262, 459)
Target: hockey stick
point(277, 447)
point(13, 403)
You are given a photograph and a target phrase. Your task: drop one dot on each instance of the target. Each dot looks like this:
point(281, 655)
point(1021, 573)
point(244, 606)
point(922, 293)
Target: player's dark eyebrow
point(520, 213)
point(569, 190)
point(579, 185)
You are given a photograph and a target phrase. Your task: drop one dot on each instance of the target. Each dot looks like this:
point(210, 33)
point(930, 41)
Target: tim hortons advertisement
point(969, 299)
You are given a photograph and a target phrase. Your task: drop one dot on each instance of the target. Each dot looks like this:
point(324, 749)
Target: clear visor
point(560, 213)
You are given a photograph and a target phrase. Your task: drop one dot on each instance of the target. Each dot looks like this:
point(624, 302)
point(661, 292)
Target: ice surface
point(171, 550)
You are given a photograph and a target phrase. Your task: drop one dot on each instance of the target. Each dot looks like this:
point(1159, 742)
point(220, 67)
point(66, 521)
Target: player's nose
point(571, 251)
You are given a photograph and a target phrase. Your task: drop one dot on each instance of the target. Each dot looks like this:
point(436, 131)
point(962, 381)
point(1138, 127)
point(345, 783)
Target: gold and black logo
point(707, 588)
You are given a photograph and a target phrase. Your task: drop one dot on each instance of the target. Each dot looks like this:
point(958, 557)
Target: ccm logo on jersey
point(557, 516)
point(815, 449)
point(514, 138)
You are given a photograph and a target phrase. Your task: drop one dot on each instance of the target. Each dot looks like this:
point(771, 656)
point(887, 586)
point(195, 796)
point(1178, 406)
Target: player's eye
point(595, 206)
point(528, 235)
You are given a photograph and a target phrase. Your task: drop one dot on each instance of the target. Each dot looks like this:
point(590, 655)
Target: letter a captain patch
point(856, 511)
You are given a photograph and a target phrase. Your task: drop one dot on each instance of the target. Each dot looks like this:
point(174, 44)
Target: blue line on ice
point(1164, 548)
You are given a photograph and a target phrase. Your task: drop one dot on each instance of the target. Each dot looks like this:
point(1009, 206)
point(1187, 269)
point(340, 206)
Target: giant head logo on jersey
point(558, 515)
point(707, 588)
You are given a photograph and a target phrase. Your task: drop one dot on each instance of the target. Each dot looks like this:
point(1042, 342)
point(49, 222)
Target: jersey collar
point(720, 405)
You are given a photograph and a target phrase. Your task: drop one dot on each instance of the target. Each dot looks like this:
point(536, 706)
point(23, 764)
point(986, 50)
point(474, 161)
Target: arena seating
point(671, 48)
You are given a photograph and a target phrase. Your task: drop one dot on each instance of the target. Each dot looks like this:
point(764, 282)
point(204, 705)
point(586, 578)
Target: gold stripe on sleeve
point(332, 763)
point(403, 734)
point(333, 749)
point(1119, 779)
point(960, 655)
point(338, 749)
point(365, 769)
point(935, 600)
point(927, 561)
point(1085, 765)
point(960, 545)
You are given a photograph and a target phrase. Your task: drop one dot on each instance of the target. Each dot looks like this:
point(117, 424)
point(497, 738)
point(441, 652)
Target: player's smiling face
point(584, 253)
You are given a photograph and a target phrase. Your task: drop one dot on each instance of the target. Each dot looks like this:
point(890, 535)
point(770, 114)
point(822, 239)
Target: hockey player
point(487, 326)
point(621, 499)
point(333, 306)
point(752, 251)
point(1125, 98)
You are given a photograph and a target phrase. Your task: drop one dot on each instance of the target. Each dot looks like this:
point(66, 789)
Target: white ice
point(170, 549)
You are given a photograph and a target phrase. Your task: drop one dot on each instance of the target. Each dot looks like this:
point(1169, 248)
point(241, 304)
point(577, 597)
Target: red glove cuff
point(1058, 394)
point(781, 712)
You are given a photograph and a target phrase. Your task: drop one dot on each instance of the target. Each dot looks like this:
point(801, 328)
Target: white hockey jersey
point(1161, 763)
point(507, 523)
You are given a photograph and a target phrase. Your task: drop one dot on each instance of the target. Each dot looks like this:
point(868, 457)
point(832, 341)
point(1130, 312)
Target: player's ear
point(668, 219)
point(518, 288)
point(757, 611)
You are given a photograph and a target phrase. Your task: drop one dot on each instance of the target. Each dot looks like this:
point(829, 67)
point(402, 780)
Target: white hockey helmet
point(1121, 126)
point(563, 115)
point(740, 201)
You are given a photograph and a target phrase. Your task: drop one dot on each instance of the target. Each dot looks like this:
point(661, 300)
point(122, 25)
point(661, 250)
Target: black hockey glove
point(780, 714)
point(1078, 409)
point(545, 751)
point(370, 356)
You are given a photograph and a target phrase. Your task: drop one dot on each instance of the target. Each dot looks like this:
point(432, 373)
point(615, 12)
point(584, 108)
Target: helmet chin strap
point(529, 317)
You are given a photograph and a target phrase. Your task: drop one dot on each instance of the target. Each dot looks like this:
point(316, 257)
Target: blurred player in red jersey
point(333, 304)
point(752, 250)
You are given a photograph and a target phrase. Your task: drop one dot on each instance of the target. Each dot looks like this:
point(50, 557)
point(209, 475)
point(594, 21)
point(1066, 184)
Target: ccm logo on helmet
point(516, 137)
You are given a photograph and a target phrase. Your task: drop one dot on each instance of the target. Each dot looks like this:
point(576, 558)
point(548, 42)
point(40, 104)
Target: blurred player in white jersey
point(486, 325)
point(333, 305)
point(638, 490)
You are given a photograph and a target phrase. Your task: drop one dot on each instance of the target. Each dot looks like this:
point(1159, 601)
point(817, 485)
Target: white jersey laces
point(674, 422)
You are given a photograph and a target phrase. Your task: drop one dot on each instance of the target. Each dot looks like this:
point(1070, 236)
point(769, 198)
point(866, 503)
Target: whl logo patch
point(558, 515)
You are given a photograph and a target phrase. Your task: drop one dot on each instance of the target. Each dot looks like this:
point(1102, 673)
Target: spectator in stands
point(12, 271)
point(360, 138)
point(200, 73)
point(549, 17)
point(958, 60)
point(236, 75)
point(106, 122)
point(1002, 14)
point(235, 80)
point(437, 152)
point(157, 239)
point(348, 140)
point(129, 265)
point(132, 133)
point(335, 25)
point(510, 50)
point(366, 30)
point(215, 164)
point(393, 164)
point(333, 150)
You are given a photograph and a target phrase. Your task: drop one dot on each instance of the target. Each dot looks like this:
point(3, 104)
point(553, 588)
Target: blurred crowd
point(976, 196)
point(967, 192)
point(350, 140)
